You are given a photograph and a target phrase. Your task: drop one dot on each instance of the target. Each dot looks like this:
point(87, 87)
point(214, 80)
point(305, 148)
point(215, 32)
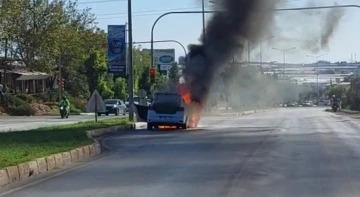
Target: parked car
point(292, 104)
point(114, 106)
point(308, 104)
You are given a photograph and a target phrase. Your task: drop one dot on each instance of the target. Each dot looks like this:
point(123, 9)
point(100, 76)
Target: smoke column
point(311, 31)
point(226, 33)
point(332, 22)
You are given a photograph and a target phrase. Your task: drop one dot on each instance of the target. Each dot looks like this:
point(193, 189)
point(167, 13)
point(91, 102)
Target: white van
point(166, 109)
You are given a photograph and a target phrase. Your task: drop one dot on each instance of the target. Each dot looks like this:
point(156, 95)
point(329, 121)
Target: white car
point(167, 109)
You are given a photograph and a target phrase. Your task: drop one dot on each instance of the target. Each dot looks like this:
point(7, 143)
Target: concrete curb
point(346, 111)
point(49, 163)
point(243, 113)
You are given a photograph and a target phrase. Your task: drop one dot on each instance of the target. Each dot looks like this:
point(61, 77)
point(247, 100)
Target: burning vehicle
point(173, 110)
point(167, 110)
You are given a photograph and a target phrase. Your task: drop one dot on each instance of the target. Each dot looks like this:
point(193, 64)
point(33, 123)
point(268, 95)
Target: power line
point(101, 1)
point(107, 1)
point(114, 17)
point(147, 11)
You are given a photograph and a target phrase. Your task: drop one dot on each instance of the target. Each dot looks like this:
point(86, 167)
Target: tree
point(45, 34)
point(144, 80)
point(119, 88)
point(141, 68)
point(338, 91)
point(174, 74)
point(97, 76)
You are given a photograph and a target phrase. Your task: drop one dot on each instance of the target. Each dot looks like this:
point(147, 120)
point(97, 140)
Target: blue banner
point(117, 49)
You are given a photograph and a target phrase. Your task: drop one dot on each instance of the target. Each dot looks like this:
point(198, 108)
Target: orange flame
point(194, 109)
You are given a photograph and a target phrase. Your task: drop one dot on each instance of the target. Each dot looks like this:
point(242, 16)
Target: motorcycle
point(64, 111)
point(335, 106)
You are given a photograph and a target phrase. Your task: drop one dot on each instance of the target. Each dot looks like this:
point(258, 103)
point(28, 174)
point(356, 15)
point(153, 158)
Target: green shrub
point(49, 96)
point(14, 105)
point(79, 105)
point(26, 97)
point(10, 99)
point(75, 110)
point(20, 110)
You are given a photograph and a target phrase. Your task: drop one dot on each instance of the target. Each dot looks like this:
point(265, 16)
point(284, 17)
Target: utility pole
point(261, 42)
point(248, 50)
point(60, 75)
point(5, 65)
point(317, 75)
point(203, 19)
point(131, 70)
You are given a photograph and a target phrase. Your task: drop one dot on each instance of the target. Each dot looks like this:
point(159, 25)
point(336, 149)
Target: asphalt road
point(302, 152)
point(23, 123)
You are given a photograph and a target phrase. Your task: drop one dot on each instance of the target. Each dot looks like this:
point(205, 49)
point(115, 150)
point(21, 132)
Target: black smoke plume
point(226, 33)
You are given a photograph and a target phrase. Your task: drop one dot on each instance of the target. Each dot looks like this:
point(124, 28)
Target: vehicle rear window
point(110, 101)
point(167, 98)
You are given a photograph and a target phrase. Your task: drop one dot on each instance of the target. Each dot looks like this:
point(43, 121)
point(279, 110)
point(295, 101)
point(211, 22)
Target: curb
point(249, 112)
point(344, 111)
point(52, 162)
point(71, 114)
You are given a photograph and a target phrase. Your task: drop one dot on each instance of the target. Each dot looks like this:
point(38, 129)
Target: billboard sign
point(164, 57)
point(117, 49)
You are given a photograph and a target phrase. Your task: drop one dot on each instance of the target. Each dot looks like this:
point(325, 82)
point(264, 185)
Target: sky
point(290, 29)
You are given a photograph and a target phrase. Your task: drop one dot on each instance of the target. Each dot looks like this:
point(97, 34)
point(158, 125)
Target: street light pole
point(157, 20)
point(130, 60)
point(203, 19)
point(159, 41)
point(249, 52)
point(284, 54)
point(261, 48)
point(317, 75)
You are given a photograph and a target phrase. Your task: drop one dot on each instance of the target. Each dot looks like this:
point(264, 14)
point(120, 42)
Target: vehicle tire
point(99, 114)
point(107, 114)
point(184, 126)
point(181, 126)
point(117, 113)
point(149, 126)
point(124, 112)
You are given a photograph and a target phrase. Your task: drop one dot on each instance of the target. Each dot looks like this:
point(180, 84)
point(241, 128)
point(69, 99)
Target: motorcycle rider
point(334, 99)
point(65, 102)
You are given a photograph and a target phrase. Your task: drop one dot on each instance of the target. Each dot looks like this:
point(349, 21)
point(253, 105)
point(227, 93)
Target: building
point(19, 79)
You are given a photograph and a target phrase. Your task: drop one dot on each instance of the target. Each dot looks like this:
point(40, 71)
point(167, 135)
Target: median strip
point(27, 153)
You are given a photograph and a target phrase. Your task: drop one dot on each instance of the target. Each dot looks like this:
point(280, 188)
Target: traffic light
point(152, 75)
point(61, 83)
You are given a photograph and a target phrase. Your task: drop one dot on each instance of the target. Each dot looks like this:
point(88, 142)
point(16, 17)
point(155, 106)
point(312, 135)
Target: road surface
point(22, 123)
point(298, 152)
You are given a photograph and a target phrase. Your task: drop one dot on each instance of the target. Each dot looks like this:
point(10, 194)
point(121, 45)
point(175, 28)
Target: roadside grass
point(23, 146)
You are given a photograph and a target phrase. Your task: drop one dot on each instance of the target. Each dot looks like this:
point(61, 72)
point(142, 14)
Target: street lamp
point(261, 41)
point(317, 74)
point(160, 41)
point(284, 53)
point(130, 60)
point(203, 18)
point(157, 20)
